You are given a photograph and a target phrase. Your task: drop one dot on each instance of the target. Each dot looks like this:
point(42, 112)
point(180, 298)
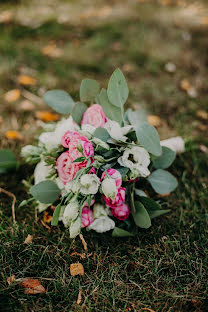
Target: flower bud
point(70, 213)
point(109, 188)
point(75, 228)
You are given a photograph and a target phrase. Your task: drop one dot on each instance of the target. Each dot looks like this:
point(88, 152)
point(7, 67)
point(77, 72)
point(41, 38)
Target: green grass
point(164, 268)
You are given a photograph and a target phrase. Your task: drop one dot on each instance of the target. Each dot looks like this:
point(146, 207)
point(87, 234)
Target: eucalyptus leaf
point(56, 214)
point(78, 111)
point(79, 159)
point(88, 90)
point(118, 90)
point(102, 134)
point(46, 192)
point(8, 160)
point(141, 216)
point(135, 117)
point(148, 137)
point(153, 208)
point(157, 213)
point(165, 160)
point(59, 100)
point(118, 232)
point(162, 181)
point(123, 171)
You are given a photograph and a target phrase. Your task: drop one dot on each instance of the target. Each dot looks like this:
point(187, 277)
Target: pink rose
point(66, 168)
point(88, 149)
point(87, 217)
point(92, 171)
point(121, 212)
point(119, 200)
point(94, 116)
point(70, 136)
point(114, 174)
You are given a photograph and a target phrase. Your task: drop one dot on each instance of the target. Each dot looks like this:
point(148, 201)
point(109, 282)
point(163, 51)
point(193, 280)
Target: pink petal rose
point(92, 171)
point(121, 212)
point(88, 149)
point(87, 217)
point(114, 174)
point(72, 136)
point(119, 200)
point(94, 116)
point(66, 168)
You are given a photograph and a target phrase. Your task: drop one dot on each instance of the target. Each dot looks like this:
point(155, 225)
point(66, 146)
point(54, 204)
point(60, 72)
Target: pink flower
point(70, 136)
point(88, 149)
point(87, 217)
point(66, 168)
point(119, 200)
point(92, 170)
point(121, 212)
point(94, 116)
point(114, 174)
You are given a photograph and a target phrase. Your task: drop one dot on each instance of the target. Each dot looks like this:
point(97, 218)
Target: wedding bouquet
point(100, 166)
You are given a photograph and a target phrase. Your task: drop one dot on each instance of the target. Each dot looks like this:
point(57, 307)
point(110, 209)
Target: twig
point(13, 202)
point(32, 97)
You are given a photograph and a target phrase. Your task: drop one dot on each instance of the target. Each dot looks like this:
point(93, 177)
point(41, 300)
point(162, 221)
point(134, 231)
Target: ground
point(59, 43)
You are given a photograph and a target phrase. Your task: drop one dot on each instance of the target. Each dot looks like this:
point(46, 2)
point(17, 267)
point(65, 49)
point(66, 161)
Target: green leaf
point(79, 159)
point(102, 134)
point(165, 160)
point(153, 208)
point(46, 192)
point(7, 160)
point(59, 100)
point(123, 171)
point(111, 111)
point(88, 90)
point(157, 213)
point(78, 111)
point(56, 214)
point(162, 181)
point(141, 216)
point(148, 137)
point(118, 232)
point(136, 117)
point(118, 90)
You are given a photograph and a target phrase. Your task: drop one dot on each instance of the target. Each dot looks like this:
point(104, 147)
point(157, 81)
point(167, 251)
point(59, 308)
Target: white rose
point(116, 131)
point(29, 150)
point(89, 184)
point(102, 224)
point(109, 188)
point(70, 213)
point(136, 158)
point(99, 211)
point(41, 172)
point(75, 228)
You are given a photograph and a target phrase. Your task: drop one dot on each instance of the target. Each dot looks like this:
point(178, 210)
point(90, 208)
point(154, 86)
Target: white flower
point(73, 186)
point(75, 228)
point(102, 224)
point(70, 213)
point(48, 139)
point(177, 144)
point(99, 211)
point(109, 188)
point(41, 172)
point(116, 131)
point(89, 184)
point(29, 150)
point(136, 158)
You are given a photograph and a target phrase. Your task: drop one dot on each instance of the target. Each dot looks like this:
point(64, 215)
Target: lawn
point(161, 47)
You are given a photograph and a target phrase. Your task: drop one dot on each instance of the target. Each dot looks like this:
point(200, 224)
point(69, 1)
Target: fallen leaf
point(204, 20)
point(1, 120)
point(203, 148)
point(46, 116)
point(52, 51)
point(6, 17)
point(79, 298)
point(45, 225)
point(13, 135)
point(83, 241)
point(202, 114)
point(26, 80)
point(201, 127)
point(147, 309)
point(29, 239)
point(32, 286)
point(163, 195)
point(76, 269)
point(185, 85)
point(83, 256)
point(12, 95)
point(26, 106)
point(47, 217)
point(11, 279)
point(154, 120)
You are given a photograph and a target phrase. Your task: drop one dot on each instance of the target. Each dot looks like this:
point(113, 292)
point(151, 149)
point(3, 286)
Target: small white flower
point(29, 150)
point(99, 211)
point(41, 172)
point(109, 188)
point(136, 158)
point(70, 213)
point(89, 184)
point(116, 131)
point(75, 228)
point(73, 186)
point(102, 224)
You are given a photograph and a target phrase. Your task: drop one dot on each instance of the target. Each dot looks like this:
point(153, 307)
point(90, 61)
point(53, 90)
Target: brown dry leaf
point(52, 51)
point(32, 286)
point(13, 135)
point(202, 114)
point(79, 298)
point(163, 195)
point(83, 256)
point(47, 217)
point(185, 85)
point(26, 80)
point(6, 17)
point(46, 116)
point(76, 269)
point(1, 120)
point(29, 239)
point(12, 95)
point(201, 127)
point(27, 106)
point(11, 279)
point(203, 148)
point(83, 241)
point(204, 20)
point(45, 225)
point(154, 120)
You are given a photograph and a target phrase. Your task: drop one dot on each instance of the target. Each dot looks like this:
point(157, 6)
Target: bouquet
point(100, 167)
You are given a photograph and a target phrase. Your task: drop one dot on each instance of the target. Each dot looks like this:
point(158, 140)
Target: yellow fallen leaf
point(202, 114)
point(11, 279)
point(79, 298)
point(12, 95)
point(47, 217)
point(32, 286)
point(76, 269)
point(185, 85)
point(154, 120)
point(46, 116)
point(29, 239)
point(13, 135)
point(26, 80)
point(52, 51)
point(83, 256)
point(26, 106)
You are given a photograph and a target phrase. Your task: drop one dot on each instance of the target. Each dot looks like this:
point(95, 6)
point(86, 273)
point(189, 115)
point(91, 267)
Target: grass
point(164, 268)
